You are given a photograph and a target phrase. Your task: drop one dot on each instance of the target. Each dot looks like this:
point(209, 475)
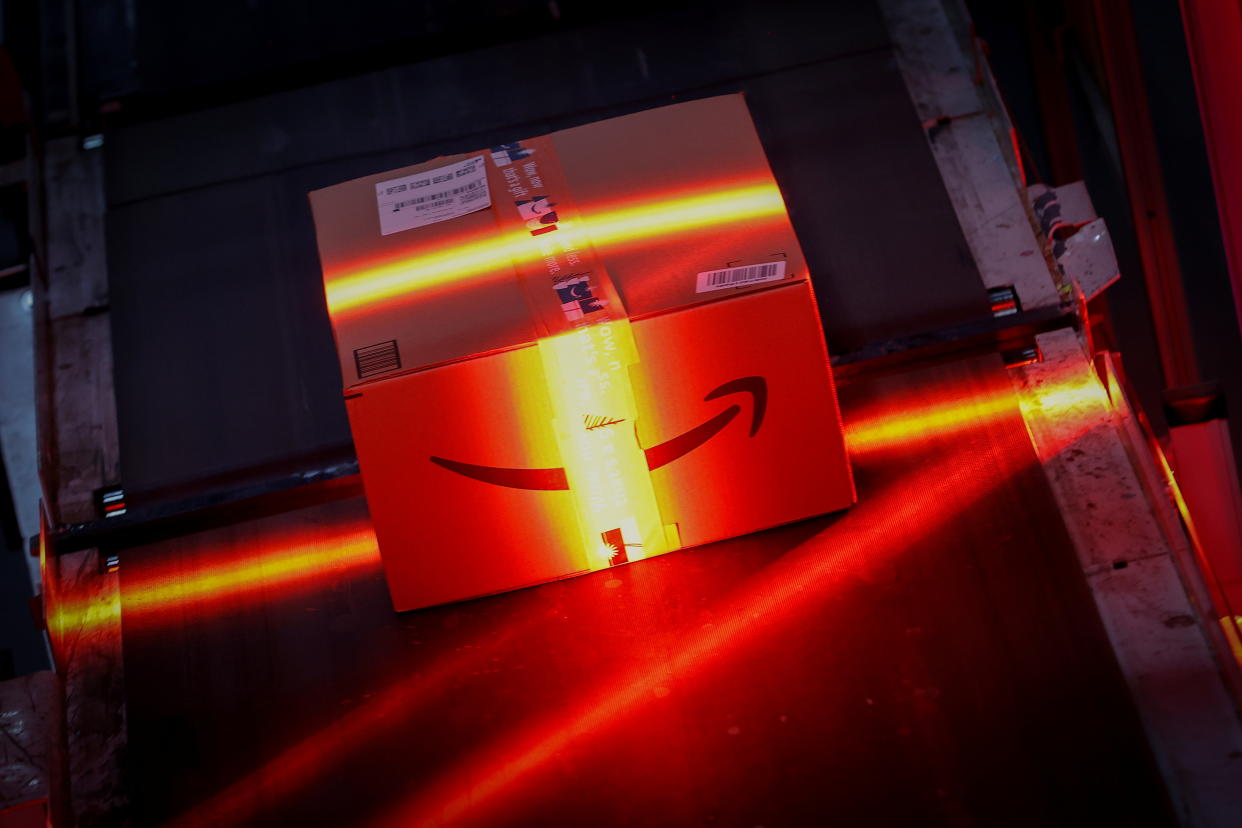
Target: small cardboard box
point(578, 350)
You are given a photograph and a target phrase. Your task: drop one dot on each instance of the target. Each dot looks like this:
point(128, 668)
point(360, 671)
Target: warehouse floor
point(930, 657)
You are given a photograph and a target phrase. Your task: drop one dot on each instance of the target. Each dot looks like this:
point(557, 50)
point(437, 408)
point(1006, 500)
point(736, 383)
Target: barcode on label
point(434, 204)
point(377, 359)
point(432, 196)
point(440, 198)
point(739, 276)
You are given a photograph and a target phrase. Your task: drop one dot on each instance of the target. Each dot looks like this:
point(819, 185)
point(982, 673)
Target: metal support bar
point(76, 404)
point(962, 123)
point(1203, 458)
point(1130, 559)
point(1214, 41)
point(148, 524)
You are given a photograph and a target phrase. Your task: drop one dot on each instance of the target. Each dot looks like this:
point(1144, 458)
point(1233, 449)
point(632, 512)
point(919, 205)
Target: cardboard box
point(579, 350)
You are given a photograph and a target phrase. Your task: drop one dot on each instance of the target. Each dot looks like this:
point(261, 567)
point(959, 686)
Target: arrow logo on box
point(657, 456)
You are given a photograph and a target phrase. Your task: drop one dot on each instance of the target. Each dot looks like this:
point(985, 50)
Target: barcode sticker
point(379, 358)
point(432, 196)
point(732, 277)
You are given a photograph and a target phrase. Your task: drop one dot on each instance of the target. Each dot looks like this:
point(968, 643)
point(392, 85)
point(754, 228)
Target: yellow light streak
point(268, 569)
point(83, 615)
point(587, 374)
point(1087, 392)
point(1232, 624)
point(371, 285)
point(261, 572)
point(899, 429)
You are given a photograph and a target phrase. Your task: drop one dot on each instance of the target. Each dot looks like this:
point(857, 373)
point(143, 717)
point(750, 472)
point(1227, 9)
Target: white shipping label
point(732, 277)
point(432, 196)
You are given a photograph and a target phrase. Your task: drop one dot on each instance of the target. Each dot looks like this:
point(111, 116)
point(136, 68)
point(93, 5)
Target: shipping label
point(432, 196)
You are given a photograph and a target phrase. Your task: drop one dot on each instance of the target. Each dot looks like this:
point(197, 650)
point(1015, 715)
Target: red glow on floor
point(1017, 155)
point(938, 434)
point(73, 615)
point(927, 500)
point(312, 760)
point(32, 814)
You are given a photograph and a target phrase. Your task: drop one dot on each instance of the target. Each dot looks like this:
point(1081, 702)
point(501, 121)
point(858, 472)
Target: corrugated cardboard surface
point(640, 162)
point(664, 155)
point(483, 310)
point(444, 536)
point(467, 390)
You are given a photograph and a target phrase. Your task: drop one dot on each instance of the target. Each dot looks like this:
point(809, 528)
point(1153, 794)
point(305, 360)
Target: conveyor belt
point(931, 657)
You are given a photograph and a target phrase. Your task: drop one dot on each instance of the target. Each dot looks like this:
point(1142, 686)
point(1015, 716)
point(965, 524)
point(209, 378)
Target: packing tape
point(587, 350)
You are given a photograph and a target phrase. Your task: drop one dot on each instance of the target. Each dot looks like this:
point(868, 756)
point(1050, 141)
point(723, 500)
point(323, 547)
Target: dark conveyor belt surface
point(931, 657)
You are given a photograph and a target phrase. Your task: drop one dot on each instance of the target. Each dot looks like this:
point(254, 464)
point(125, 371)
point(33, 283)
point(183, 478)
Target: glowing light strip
point(645, 221)
point(1232, 626)
point(899, 430)
point(82, 615)
point(1068, 396)
point(303, 565)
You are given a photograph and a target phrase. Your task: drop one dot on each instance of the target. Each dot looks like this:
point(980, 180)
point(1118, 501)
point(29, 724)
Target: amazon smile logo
point(657, 456)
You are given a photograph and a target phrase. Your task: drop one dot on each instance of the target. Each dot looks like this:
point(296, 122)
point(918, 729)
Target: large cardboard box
point(578, 350)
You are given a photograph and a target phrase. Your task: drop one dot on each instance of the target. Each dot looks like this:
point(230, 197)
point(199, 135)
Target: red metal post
point(1214, 42)
point(1145, 185)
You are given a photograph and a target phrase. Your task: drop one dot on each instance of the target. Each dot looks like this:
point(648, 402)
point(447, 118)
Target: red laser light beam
point(284, 565)
point(314, 758)
point(877, 428)
point(72, 612)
